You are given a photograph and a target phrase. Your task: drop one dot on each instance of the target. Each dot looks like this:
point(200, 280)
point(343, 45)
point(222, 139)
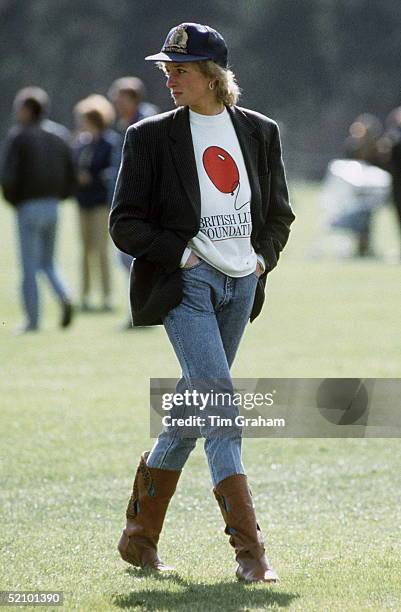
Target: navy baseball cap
point(192, 42)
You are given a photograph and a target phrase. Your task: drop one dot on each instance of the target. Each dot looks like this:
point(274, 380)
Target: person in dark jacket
point(127, 95)
point(37, 172)
point(390, 157)
point(361, 144)
point(395, 169)
point(201, 202)
point(93, 157)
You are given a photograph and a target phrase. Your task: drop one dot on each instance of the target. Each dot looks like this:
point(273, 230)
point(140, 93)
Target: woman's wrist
point(192, 260)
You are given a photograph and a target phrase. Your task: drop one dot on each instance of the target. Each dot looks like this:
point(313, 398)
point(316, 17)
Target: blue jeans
point(205, 330)
point(37, 225)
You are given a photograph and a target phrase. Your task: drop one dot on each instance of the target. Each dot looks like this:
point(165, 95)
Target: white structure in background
point(350, 188)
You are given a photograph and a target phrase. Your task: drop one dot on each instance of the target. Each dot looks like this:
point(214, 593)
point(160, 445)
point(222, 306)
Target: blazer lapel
point(249, 144)
point(184, 157)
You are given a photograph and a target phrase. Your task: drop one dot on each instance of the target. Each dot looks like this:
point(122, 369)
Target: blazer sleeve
point(273, 236)
point(132, 228)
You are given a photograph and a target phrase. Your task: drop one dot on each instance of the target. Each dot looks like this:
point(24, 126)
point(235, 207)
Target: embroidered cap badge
point(177, 43)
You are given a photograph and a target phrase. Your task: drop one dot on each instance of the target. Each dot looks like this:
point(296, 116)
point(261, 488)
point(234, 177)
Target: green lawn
point(74, 419)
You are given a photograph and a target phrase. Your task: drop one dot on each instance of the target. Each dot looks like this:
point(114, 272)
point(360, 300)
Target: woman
point(202, 203)
point(93, 156)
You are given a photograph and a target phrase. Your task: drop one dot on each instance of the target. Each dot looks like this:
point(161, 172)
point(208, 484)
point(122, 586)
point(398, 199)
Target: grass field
point(74, 419)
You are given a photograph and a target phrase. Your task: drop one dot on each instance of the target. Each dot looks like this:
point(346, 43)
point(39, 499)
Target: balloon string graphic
point(238, 188)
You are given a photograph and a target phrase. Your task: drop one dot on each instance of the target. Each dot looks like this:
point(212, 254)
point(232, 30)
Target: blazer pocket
point(153, 292)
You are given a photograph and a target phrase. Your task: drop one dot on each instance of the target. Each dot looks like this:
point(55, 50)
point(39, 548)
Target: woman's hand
point(191, 261)
point(259, 269)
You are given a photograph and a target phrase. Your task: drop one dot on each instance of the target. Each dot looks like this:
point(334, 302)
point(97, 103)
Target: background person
point(389, 148)
point(93, 157)
point(37, 173)
point(361, 144)
point(127, 95)
point(201, 202)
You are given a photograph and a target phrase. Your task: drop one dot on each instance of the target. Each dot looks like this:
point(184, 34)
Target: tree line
point(311, 64)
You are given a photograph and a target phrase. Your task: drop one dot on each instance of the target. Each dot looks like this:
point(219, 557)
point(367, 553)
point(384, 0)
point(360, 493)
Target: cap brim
point(175, 57)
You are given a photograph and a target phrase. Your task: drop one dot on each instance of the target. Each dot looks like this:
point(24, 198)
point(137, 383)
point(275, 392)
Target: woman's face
point(187, 85)
point(88, 126)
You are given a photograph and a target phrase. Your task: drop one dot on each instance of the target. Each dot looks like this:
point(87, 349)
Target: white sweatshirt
point(224, 237)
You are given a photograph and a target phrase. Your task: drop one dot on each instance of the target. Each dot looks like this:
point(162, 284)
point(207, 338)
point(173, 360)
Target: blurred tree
point(311, 64)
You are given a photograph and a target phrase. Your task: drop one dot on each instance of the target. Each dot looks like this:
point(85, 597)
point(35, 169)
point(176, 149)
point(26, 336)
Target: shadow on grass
point(186, 595)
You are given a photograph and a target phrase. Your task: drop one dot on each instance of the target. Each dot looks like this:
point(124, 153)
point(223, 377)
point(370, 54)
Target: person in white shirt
point(202, 203)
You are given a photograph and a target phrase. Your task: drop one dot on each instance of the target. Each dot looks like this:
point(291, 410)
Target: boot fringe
point(143, 470)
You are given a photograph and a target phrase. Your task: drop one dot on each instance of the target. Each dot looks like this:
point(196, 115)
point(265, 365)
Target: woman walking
point(202, 203)
point(93, 156)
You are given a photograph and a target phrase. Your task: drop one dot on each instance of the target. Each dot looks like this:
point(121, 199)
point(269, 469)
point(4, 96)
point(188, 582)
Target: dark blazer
point(157, 204)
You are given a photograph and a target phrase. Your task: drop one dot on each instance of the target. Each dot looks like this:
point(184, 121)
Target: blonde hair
point(226, 87)
point(97, 109)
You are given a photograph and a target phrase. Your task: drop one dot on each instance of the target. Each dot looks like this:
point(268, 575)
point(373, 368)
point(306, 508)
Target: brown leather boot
point(235, 501)
point(153, 488)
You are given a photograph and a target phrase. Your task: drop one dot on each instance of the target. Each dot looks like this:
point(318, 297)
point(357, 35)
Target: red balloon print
point(221, 169)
